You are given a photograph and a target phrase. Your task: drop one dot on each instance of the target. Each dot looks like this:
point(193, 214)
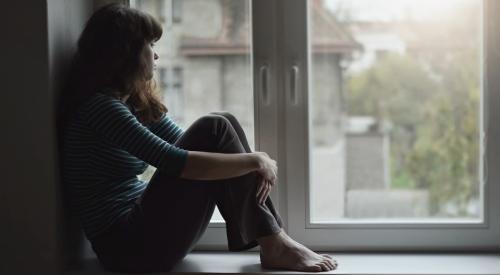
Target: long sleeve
point(166, 129)
point(112, 119)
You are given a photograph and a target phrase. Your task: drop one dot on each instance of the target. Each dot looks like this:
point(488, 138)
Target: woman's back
point(100, 175)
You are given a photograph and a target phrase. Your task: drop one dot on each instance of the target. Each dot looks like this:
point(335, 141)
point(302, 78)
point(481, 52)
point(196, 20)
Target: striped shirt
point(105, 149)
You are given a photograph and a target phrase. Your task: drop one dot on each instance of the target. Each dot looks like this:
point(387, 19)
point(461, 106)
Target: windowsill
point(221, 262)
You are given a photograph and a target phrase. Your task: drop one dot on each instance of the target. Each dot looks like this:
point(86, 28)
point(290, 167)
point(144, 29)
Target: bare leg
point(279, 250)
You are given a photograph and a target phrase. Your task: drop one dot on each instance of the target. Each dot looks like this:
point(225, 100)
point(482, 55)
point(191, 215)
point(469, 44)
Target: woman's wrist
point(257, 163)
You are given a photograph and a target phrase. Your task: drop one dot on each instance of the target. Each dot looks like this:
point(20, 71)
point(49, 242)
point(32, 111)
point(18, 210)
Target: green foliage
point(432, 104)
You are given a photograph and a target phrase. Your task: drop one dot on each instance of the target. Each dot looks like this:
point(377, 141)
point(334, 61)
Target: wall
point(66, 20)
point(38, 38)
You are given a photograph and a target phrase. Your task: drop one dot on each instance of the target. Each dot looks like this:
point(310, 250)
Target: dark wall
point(27, 196)
point(37, 40)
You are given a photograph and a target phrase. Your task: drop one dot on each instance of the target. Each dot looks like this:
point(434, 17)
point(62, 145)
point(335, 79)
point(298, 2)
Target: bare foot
point(279, 251)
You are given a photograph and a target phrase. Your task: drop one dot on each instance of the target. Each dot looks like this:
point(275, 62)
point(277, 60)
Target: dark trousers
point(172, 213)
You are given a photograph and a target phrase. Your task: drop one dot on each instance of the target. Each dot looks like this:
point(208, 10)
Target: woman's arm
point(214, 166)
point(111, 120)
point(166, 129)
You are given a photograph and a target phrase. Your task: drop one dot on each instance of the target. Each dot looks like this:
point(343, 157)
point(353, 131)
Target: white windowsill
point(217, 262)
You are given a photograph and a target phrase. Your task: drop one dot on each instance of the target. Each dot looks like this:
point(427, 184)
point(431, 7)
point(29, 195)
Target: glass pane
point(395, 110)
point(205, 61)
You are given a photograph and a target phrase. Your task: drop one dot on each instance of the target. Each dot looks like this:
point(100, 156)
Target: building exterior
point(205, 65)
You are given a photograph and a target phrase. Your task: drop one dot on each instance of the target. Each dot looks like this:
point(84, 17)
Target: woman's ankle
point(271, 241)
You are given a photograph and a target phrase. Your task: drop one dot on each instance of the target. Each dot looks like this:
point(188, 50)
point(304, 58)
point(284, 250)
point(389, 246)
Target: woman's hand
point(263, 190)
point(268, 172)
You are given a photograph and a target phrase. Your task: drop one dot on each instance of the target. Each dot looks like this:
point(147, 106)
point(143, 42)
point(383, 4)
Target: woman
point(113, 126)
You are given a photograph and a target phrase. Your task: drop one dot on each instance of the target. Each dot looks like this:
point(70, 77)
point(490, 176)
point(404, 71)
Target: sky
point(389, 10)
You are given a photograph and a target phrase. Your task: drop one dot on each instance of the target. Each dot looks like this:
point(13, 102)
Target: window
point(376, 111)
point(403, 143)
point(177, 11)
point(170, 82)
point(206, 55)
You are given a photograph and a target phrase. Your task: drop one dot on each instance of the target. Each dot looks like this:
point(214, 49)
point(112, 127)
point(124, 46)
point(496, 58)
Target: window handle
point(264, 83)
point(294, 83)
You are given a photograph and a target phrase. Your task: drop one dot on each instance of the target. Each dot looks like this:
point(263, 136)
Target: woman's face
point(149, 57)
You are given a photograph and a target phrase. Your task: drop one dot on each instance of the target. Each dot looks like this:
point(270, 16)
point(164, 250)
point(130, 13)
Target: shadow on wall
point(66, 20)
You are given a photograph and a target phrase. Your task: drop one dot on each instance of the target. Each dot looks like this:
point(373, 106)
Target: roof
point(328, 35)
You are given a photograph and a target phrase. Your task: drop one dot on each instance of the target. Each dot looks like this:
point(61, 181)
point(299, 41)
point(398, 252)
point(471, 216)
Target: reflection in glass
point(395, 110)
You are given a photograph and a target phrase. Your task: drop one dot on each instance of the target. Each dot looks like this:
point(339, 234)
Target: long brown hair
point(108, 60)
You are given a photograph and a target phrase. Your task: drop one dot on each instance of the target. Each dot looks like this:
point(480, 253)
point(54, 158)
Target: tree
point(393, 91)
point(433, 105)
point(444, 157)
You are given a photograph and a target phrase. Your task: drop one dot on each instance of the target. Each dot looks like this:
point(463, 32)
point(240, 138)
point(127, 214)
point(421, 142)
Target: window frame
point(266, 65)
point(394, 236)
point(280, 50)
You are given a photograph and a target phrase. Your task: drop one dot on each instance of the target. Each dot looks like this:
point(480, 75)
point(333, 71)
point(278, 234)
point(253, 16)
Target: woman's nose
point(156, 56)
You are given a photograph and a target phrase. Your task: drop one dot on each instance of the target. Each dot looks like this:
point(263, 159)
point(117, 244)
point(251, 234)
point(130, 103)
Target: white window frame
point(399, 236)
point(281, 62)
point(266, 65)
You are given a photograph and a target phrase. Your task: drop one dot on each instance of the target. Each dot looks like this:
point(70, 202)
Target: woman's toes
point(333, 265)
point(330, 261)
point(313, 268)
point(326, 255)
point(330, 265)
point(324, 266)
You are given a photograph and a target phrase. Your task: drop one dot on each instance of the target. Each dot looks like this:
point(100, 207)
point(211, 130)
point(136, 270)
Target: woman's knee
point(211, 121)
point(212, 127)
point(232, 119)
point(225, 114)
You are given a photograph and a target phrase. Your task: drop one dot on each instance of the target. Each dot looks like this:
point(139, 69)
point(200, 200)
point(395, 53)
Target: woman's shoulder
point(104, 94)
point(102, 99)
point(101, 104)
